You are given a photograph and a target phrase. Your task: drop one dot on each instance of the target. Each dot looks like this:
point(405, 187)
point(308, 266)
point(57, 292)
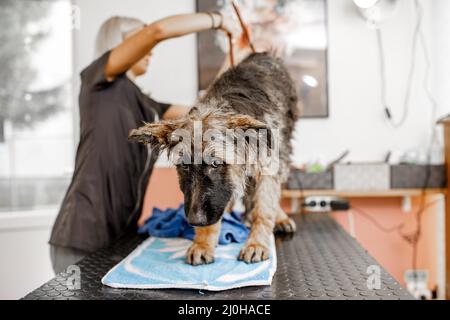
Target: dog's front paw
point(199, 254)
point(285, 226)
point(253, 253)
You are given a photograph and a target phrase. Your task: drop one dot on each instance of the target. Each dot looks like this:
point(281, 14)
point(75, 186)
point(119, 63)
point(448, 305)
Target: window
point(36, 103)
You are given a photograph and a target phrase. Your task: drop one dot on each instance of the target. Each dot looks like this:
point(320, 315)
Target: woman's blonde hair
point(113, 31)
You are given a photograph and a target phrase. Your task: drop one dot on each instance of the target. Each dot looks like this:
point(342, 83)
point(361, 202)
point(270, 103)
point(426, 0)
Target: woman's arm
point(136, 46)
point(175, 112)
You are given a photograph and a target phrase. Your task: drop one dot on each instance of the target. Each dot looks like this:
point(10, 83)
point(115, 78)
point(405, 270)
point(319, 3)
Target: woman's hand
point(229, 24)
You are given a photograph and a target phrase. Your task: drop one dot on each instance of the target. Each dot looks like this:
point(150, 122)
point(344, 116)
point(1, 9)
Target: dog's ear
point(156, 134)
point(245, 122)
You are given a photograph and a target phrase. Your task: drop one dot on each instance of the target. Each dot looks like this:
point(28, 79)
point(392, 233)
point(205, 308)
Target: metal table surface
point(321, 261)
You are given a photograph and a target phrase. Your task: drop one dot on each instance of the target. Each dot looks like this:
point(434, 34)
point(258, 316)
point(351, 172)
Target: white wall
point(441, 52)
point(25, 254)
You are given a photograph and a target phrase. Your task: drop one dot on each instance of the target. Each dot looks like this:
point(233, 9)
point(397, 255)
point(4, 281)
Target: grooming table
point(321, 261)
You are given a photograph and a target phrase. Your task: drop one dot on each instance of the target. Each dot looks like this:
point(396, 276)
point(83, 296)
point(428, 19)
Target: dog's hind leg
point(266, 201)
point(203, 247)
point(248, 200)
point(283, 223)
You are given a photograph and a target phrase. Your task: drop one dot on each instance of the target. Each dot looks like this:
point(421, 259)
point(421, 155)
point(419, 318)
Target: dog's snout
point(197, 219)
point(195, 216)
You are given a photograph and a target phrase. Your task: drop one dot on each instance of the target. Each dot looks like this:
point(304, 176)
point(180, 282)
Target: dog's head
point(211, 166)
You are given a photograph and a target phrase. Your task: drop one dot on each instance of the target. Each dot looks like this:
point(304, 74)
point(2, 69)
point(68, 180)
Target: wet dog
point(235, 141)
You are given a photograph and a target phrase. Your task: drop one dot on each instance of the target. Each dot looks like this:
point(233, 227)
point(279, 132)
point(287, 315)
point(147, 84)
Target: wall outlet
point(417, 283)
point(317, 204)
point(325, 204)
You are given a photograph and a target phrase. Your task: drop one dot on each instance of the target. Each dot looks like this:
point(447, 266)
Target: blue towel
point(172, 223)
point(160, 263)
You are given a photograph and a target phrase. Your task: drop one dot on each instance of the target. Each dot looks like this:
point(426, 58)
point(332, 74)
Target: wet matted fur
point(258, 94)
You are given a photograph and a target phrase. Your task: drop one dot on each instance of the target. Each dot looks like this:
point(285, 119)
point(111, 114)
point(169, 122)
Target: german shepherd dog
point(258, 95)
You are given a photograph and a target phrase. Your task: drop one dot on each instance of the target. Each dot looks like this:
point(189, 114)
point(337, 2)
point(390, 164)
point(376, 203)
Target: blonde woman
point(105, 195)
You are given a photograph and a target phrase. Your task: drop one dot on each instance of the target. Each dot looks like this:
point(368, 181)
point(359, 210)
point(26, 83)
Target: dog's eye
point(215, 163)
point(184, 166)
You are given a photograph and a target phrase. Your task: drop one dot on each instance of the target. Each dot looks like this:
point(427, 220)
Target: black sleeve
point(161, 108)
point(152, 108)
point(94, 74)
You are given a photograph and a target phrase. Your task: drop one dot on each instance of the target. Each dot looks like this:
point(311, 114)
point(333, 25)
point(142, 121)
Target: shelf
point(394, 193)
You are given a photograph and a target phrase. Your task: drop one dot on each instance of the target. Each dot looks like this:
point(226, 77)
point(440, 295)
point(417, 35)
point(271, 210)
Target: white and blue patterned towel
point(159, 263)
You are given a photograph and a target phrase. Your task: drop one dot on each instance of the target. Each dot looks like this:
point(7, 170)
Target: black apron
point(111, 173)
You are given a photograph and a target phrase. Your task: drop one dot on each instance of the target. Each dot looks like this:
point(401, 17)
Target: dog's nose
point(197, 218)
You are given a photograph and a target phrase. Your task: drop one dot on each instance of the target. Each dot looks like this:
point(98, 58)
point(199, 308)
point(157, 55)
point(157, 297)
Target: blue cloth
point(172, 223)
point(160, 263)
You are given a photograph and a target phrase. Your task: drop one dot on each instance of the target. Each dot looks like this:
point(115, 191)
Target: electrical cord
point(376, 223)
point(412, 238)
point(415, 237)
point(393, 228)
point(418, 38)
